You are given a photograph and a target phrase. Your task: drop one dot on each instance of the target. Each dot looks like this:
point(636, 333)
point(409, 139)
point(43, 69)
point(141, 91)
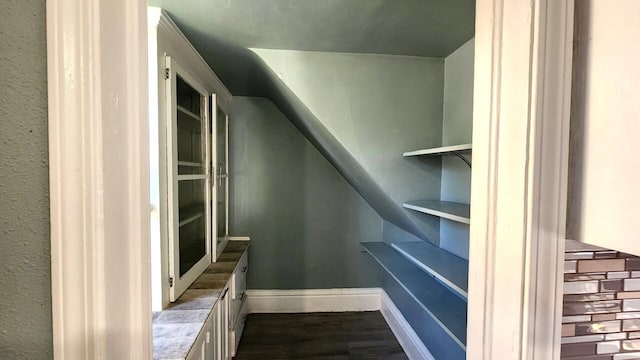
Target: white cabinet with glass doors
point(197, 181)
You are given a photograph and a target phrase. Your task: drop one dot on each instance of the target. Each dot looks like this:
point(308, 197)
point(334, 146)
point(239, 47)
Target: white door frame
point(519, 181)
point(99, 179)
point(100, 186)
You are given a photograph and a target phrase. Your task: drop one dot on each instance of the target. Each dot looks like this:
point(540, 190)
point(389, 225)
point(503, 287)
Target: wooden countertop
point(176, 328)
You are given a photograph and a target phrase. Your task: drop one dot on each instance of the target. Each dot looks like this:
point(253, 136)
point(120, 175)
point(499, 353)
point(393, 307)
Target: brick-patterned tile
point(592, 307)
point(598, 328)
point(580, 349)
point(604, 265)
point(601, 309)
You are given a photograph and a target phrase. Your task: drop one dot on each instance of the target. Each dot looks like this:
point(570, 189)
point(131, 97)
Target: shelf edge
point(441, 150)
point(432, 272)
point(415, 298)
point(191, 177)
point(188, 113)
point(441, 214)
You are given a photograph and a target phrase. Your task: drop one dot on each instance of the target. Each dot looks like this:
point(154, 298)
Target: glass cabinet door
point(219, 127)
point(222, 176)
point(188, 195)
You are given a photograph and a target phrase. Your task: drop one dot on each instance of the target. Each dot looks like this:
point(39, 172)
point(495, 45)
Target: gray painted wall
point(392, 233)
point(364, 111)
point(457, 129)
point(304, 219)
point(25, 314)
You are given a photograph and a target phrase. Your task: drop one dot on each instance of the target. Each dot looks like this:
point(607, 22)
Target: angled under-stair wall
point(305, 221)
point(362, 111)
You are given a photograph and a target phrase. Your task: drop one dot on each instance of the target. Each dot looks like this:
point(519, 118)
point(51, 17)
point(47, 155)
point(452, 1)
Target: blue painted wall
point(362, 111)
point(304, 219)
point(457, 127)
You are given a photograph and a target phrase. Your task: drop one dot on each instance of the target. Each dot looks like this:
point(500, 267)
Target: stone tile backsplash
point(601, 309)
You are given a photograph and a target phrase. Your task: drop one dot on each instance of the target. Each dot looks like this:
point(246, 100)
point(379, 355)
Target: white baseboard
point(340, 300)
point(411, 344)
point(313, 300)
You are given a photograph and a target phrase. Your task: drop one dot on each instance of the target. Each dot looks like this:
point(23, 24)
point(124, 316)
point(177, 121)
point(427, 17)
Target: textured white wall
point(25, 313)
point(604, 200)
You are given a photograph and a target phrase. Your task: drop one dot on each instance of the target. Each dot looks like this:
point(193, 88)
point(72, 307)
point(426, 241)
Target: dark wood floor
point(328, 336)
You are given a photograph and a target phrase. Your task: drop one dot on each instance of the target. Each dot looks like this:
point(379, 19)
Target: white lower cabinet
point(213, 343)
point(220, 336)
point(238, 327)
point(238, 309)
point(223, 329)
point(202, 347)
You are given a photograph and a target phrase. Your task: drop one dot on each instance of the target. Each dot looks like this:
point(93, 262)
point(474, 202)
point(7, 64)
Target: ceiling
point(222, 30)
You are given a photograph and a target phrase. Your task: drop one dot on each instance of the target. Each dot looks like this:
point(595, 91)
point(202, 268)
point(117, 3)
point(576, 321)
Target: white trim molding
point(413, 347)
point(176, 44)
point(313, 300)
point(99, 180)
point(340, 300)
point(518, 204)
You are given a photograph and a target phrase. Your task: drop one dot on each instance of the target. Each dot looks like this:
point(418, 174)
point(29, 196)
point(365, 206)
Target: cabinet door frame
point(97, 80)
point(225, 239)
point(179, 283)
point(221, 326)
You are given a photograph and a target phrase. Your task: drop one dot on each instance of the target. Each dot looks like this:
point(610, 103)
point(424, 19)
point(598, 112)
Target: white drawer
point(239, 281)
point(236, 332)
point(236, 306)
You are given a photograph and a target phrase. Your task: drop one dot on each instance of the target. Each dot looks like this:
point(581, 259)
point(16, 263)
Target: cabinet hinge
point(167, 73)
point(170, 282)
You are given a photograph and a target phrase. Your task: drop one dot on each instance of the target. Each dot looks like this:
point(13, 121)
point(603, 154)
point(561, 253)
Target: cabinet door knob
point(244, 269)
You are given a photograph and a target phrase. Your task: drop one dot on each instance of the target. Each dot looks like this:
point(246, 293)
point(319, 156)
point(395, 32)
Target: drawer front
point(239, 281)
point(234, 311)
point(236, 332)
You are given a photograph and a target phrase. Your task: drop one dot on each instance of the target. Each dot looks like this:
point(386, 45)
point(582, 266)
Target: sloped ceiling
point(222, 30)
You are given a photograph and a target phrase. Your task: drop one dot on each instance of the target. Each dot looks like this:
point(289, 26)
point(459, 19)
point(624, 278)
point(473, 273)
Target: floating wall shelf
point(444, 209)
point(442, 151)
point(445, 307)
point(452, 150)
point(447, 268)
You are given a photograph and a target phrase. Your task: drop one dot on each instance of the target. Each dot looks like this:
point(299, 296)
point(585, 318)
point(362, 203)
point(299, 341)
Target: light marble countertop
point(176, 328)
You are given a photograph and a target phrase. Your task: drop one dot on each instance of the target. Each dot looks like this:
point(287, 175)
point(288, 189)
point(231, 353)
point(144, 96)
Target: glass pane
point(221, 154)
point(187, 97)
point(190, 135)
point(222, 210)
point(192, 222)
